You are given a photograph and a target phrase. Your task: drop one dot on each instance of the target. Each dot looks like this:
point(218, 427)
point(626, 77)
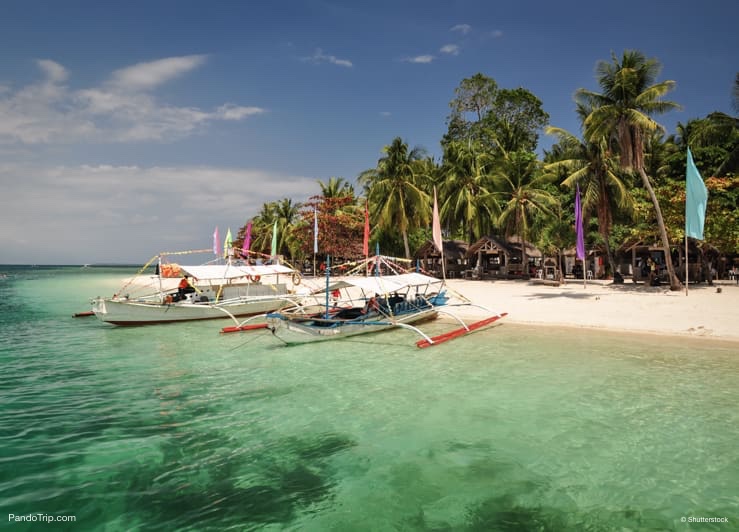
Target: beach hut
point(455, 257)
point(635, 257)
point(492, 256)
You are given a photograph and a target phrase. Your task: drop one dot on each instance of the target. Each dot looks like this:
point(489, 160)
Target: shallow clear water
point(512, 428)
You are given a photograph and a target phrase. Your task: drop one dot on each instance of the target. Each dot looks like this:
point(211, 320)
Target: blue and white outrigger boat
point(354, 305)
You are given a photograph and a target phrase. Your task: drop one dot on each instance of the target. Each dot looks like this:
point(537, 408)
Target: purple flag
point(216, 243)
point(578, 227)
point(247, 240)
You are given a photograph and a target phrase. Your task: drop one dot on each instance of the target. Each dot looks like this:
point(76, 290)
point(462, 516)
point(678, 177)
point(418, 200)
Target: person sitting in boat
point(184, 288)
point(335, 296)
point(372, 305)
point(395, 298)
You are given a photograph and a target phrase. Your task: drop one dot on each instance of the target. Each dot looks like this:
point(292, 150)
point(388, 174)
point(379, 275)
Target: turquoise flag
point(274, 240)
point(696, 199)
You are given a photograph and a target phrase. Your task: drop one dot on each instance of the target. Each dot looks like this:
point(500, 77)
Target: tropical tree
point(558, 234)
point(591, 166)
point(336, 187)
point(515, 119)
point(396, 192)
point(466, 190)
point(285, 214)
point(622, 113)
point(340, 227)
point(475, 96)
point(521, 186)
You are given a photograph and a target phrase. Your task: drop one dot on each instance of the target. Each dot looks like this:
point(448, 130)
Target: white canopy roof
point(383, 284)
point(230, 271)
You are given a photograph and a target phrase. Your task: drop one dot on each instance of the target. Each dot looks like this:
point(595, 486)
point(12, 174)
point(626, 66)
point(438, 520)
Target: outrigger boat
point(355, 305)
point(228, 290)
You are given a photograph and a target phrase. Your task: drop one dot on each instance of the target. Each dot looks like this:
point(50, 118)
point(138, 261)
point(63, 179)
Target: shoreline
point(705, 313)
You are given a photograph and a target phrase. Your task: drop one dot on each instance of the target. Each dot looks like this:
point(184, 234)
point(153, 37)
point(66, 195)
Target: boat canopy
point(383, 284)
point(232, 271)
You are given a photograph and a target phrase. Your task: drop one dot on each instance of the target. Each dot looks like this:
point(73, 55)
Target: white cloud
point(144, 76)
point(120, 110)
point(451, 49)
point(230, 111)
point(422, 59)
point(385, 113)
point(464, 29)
point(104, 213)
point(55, 72)
point(497, 34)
point(319, 57)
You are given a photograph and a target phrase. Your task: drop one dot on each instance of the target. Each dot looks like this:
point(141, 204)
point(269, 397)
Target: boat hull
point(295, 330)
point(129, 313)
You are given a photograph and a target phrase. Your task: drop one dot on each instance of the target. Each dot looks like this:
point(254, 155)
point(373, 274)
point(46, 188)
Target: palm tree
point(622, 112)
point(520, 185)
point(336, 187)
point(590, 165)
point(557, 234)
point(394, 190)
point(467, 189)
point(286, 214)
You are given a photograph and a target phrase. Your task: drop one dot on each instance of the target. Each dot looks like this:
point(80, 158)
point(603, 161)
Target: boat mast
point(328, 278)
point(159, 270)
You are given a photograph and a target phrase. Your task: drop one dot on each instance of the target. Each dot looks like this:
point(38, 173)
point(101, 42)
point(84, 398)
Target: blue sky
point(130, 128)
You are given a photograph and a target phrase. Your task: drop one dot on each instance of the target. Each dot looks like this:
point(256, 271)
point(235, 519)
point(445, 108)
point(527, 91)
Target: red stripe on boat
point(458, 332)
point(241, 328)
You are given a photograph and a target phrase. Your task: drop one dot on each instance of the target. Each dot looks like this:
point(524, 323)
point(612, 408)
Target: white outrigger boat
point(355, 305)
point(226, 290)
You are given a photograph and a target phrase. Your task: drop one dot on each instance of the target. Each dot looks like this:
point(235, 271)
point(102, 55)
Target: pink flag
point(247, 240)
point(216, 243)
point(436, 226)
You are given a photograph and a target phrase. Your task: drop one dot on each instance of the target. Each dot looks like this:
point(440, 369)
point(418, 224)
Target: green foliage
point(490, 181)
point(497, 119)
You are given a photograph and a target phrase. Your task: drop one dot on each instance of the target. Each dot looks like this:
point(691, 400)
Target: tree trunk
point(674, 281)
point(407, 247)
point(524, 257)
point(609, 257)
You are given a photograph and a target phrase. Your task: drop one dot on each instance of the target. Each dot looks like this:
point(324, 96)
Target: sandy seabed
point(706, 311)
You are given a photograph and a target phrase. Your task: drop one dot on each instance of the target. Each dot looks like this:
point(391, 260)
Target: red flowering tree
point(340, 227)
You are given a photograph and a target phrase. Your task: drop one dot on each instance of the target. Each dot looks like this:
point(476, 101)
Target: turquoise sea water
point(177, 427)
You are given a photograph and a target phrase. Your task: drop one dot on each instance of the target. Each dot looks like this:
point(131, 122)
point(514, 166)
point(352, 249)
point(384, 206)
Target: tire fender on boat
point(255, 278)
point(296, 278)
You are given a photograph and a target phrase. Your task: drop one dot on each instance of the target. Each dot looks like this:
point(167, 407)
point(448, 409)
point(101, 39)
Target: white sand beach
point(704, 312)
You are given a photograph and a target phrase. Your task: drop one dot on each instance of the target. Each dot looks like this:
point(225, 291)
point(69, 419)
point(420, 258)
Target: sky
point(137, 127)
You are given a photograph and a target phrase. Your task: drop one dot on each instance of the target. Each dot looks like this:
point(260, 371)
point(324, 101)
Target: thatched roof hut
point(495, 256)
point(453, 249)
point(455, 257)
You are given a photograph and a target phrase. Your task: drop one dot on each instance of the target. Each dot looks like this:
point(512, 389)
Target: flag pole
point(686, 265)
point(580, 244)
point(315, 239)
